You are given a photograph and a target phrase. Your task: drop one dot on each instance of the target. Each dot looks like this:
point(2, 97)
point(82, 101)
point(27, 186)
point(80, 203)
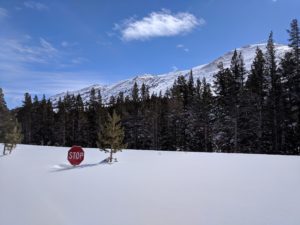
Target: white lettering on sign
point(75, 155)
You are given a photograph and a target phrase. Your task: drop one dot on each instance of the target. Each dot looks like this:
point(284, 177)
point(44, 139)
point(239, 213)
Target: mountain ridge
point(161, 82)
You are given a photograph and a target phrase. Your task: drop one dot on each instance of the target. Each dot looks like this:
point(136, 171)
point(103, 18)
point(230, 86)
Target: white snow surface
point(39, 187)
point(162, 82)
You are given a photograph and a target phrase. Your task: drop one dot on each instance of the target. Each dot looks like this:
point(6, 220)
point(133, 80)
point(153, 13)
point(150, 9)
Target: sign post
point(75, 155)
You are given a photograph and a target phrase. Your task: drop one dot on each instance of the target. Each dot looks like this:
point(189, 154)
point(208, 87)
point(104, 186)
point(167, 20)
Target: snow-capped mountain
point(162, 82)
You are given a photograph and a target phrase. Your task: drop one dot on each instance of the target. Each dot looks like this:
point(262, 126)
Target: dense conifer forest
point(256, 111)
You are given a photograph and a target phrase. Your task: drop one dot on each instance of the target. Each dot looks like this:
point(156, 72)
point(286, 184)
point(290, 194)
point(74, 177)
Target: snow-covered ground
point(39, 187)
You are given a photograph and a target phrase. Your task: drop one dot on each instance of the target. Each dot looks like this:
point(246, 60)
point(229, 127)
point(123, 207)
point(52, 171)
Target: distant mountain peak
point(162, 82)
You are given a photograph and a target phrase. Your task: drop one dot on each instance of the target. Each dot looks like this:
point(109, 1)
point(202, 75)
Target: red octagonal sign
point(76, 155)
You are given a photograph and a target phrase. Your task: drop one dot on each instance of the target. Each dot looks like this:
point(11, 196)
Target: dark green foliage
point(256, 91)
point(112, 135)
point(13, 134)
point(273, 98)
point(10, 131)
point(294, 43)
point(5, 117)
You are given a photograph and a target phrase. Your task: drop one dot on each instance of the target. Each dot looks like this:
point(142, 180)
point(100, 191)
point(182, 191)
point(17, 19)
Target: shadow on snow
point(65, 167)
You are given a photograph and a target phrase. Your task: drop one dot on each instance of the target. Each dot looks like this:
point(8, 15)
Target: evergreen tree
point(112, 136)
point(144, 93)
point(222, 128)
point(133, 119)
point(60, 124)
point(10, 131)
point(135, 93)
point(236, 92)
point(294, 40)
point(5, 117)
point(178, 114)
point(257, 90)
point(207, 104)
point(13, 134)
point(94, 117)
point(288, 134)
point(294, 43)
point(36, 121)
point(80, 123)
point(25, 118)
point(273, 96)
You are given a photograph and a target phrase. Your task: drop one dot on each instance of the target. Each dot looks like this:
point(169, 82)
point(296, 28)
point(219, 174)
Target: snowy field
point(39, 187)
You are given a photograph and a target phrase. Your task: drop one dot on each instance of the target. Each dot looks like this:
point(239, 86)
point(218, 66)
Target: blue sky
point(48, 47)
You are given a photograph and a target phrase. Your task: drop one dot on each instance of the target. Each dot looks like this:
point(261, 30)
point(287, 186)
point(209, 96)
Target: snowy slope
point(148, 188)
point(162, 82)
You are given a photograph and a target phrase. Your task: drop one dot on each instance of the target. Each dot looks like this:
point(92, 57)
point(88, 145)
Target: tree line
point(259, 114)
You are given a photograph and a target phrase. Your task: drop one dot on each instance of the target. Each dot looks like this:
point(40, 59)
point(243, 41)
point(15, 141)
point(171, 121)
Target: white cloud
point(158, 24)
point(3, 13)
point(181, 46)
point(35, 5)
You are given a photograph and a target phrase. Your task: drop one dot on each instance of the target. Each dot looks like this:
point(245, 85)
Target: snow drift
point(38, 186)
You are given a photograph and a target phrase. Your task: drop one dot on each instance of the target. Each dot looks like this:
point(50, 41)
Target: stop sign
point(75, 155)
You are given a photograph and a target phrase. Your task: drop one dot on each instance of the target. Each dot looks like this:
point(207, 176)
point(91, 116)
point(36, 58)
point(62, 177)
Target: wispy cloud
point(35, 5)
point(79, 60)
point(16, 52)
point(34, 65)
point(47, 47)
point(3, 13)
point(181, 46)
point(67, 44)
point(158, 24)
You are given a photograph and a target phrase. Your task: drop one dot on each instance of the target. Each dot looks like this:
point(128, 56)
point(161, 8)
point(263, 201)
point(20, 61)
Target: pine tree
point(133, 120)
point(135, 93)
point(5, 117)
point(60, 124)
point(112, 136)
point(10, 131)
point(13, 134)
point(207, 104)
point(288, 136)
point(222, 110)
point(273, 96)
point(36, 121)
point(25, 117)
point(144, 92)
point(294, 40)
point(191, 88)
point(256, 92)
point(94, 117)
point(294, 43)
point(179, 114)
point(80, 123)
point(236, 92)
